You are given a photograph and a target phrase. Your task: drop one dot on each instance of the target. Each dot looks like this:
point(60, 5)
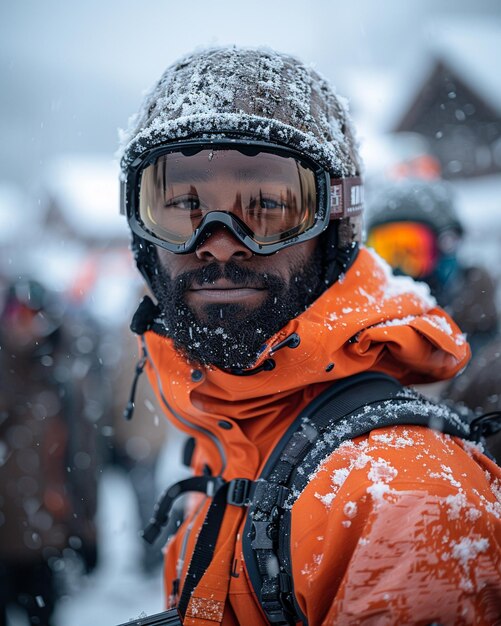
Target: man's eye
point(269, 202)
point(184, 203)
point(272, 203)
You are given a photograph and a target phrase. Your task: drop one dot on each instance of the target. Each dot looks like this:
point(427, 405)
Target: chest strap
point(237, 492)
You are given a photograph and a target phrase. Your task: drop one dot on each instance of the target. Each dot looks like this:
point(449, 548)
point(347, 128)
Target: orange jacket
point(397, 527)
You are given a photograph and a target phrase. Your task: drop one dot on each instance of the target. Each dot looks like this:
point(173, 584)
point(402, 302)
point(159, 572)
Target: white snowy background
point(71, 73)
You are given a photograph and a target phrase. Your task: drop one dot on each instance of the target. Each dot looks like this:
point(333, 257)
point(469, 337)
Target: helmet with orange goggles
point(410, 247)
point(413, 225)
point(268, 196)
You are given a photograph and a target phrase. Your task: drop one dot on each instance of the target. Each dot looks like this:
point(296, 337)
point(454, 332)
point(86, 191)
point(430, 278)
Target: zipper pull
point(129, 409)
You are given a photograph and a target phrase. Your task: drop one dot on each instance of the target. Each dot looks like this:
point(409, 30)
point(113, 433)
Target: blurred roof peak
point(471, 48)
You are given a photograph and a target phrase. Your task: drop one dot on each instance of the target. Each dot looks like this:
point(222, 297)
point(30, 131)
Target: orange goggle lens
point(410, 247)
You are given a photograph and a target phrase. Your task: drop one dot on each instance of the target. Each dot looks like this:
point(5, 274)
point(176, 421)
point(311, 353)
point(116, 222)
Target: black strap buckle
point(485, 425)
point(275, 613)
point(262, 539)
point(239, 491)
point(269, 495)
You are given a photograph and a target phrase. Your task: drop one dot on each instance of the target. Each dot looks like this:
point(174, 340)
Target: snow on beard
point(230, 335)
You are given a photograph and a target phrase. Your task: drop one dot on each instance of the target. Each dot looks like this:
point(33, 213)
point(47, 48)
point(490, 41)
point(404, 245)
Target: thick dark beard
point(230, 336)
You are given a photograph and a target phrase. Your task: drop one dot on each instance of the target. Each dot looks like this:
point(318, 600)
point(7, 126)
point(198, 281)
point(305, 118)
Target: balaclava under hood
point(250, 93)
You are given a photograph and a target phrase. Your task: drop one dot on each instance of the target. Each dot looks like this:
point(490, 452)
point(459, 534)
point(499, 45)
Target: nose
point(222, 246)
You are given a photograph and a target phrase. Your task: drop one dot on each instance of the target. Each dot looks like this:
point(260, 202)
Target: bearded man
point(241, 185)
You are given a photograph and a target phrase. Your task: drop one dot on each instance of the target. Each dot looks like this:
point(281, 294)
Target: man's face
point(222, 302)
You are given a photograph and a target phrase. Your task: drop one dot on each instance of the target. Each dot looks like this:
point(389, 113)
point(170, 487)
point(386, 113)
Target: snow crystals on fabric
point(438, 322)
point(391, 290)
point(254, 92)
point(350, 509)
point(208, 609)
point(494, 508)
point(495, 487)
point(371, 300)
point(326, 499)
point(468, 549)
point(311, 568)
point(458, 507)
point(404, 321)
point(395, 286)
point(379, 472)
point(339, 476)
point(378, 490)
point(446, 474)
point(393, 440)
point(473, 448)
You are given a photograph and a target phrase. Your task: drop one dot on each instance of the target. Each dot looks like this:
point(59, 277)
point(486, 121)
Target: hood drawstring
point(129, 409)
point(266, 366)
point(292, 341)
point(142, 320)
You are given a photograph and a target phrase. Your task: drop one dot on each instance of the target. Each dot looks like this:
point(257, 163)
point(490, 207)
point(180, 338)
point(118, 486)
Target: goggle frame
point(331, 195)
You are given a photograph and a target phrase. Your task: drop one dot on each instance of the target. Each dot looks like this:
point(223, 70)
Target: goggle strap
point(347, 197)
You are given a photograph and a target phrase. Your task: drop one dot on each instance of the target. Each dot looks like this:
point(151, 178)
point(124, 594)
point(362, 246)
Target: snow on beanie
point(256, 93)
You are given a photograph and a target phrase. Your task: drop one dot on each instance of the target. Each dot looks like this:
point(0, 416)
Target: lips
point(222, 285)
point(226, 291)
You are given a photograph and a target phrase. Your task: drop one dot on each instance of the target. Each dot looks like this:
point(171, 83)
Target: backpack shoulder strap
point(348, 409)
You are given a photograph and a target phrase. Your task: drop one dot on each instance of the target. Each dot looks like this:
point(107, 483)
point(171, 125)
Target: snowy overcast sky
point(72, 72)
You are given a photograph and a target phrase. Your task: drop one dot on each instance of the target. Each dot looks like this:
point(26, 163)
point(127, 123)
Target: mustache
point(240, 276)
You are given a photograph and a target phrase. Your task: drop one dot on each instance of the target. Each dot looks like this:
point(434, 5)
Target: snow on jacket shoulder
point(400, 527)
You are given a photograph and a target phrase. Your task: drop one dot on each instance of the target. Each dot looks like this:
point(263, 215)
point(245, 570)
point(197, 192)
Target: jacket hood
point(368, 320)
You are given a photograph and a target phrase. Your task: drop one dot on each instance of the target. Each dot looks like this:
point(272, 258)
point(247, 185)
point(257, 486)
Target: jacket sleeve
point(385, 535)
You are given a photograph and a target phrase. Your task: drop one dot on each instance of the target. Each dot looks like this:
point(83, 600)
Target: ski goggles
point(410, 247)
point(269, 197)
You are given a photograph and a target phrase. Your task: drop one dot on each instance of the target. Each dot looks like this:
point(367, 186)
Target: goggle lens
point(273, 196)
point(408, 246)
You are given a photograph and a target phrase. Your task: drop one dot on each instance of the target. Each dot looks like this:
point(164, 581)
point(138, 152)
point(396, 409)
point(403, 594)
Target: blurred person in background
point(479, 388)
point(136, 443)
point(48, 455)
point(413, 224)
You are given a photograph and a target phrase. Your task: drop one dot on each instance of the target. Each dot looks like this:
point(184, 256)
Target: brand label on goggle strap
point(347, 197)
